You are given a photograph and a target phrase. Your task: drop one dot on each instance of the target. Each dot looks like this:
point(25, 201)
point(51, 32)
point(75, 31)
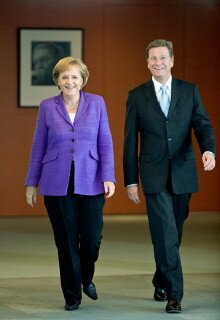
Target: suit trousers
point(166, 214)
point(77, 224)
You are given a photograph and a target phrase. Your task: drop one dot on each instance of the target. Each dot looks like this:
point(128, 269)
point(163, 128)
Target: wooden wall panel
point(17, 124)
point(116, 33)
point(202, 45)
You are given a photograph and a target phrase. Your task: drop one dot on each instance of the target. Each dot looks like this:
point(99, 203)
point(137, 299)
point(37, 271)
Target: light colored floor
point(29, 278)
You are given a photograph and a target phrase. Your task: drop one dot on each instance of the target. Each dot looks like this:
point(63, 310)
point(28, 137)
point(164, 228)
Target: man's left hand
point(208, 160)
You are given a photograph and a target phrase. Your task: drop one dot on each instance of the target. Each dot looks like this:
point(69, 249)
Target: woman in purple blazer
point(72, 163)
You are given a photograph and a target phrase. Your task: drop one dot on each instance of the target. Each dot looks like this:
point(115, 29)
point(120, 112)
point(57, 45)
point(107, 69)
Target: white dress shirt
point(157, 86)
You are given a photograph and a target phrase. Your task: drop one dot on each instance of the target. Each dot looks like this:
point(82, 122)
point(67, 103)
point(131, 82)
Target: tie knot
point(164, 88)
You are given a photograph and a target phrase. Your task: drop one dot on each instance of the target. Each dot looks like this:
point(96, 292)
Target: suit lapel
point(152, 98)
point(175, 94)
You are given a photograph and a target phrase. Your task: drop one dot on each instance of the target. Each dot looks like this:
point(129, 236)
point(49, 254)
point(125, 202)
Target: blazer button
point(72, 140)
point(169, 139)
point(72, 130)
point(71, 150)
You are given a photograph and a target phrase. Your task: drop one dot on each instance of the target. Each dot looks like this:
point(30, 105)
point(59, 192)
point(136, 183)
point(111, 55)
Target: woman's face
point(70, 81)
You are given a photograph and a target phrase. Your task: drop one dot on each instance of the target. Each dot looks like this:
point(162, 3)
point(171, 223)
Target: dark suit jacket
point(165, 140)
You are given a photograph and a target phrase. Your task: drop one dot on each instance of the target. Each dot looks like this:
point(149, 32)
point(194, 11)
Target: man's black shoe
point(160, 294)
point(173, 306)
point(90, 291)
point(73, 306)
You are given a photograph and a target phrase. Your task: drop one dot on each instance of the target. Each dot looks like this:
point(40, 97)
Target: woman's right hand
point(109, 188)
point(31, 195)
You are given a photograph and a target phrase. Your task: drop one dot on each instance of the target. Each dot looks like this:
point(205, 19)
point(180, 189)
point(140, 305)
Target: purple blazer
point(57, 142)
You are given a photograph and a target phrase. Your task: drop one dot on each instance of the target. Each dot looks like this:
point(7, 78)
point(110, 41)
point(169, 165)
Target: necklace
point(72, 107)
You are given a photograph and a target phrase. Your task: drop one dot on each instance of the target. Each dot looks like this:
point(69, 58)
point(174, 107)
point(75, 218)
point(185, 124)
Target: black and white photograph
point(39, 51)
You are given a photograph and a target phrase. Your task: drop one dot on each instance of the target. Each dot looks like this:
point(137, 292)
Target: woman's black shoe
point(73, 306)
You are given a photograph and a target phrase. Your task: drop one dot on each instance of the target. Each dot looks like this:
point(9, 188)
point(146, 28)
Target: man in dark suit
point(158, 145)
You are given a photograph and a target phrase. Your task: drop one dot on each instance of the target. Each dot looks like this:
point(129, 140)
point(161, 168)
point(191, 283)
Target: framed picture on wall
point(39, 51)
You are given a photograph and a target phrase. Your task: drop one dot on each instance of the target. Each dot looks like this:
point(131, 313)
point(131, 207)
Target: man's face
point(160, 63)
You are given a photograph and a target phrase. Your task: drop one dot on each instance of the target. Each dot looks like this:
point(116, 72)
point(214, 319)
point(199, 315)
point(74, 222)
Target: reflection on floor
point(29, 276)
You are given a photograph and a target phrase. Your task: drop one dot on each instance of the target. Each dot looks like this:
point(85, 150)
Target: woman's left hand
point(109, 188)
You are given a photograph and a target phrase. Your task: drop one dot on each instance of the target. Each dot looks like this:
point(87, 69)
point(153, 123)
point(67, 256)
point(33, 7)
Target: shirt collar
point(157, 84)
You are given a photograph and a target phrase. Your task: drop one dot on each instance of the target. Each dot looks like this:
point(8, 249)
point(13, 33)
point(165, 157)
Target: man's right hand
point(133, 194)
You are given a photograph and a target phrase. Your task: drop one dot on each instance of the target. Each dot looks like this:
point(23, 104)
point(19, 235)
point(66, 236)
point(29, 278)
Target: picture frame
point(39, 50)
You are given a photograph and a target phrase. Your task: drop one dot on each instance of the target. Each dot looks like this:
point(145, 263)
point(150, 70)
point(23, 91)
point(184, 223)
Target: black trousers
point(77, 226)
point(166, 214)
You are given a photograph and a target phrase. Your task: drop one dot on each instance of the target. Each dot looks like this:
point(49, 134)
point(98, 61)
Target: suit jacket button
point(71, 150)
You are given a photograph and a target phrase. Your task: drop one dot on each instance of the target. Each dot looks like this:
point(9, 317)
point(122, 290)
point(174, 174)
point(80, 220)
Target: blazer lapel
point(83, 105)
point(61, 108)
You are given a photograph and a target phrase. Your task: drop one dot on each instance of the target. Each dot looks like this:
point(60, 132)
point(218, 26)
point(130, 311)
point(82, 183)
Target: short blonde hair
point(63, 64)
point(160, 43)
